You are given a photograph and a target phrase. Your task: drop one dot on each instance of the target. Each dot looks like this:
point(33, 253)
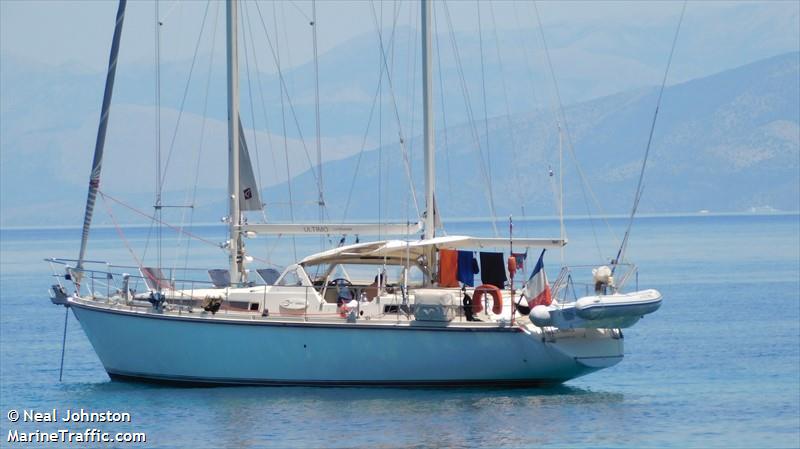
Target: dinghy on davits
point(619, 310)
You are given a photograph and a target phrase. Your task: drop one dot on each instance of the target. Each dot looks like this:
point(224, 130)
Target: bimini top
point(402, 251)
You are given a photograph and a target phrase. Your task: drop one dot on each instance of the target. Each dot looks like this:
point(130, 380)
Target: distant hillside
point(727, 142)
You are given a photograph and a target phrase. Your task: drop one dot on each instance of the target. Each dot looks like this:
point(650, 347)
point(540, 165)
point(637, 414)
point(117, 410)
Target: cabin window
point(254, 307)
point(290, 279)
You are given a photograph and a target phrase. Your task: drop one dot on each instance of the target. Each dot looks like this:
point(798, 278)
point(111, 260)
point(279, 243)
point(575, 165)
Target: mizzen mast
point(235, 216)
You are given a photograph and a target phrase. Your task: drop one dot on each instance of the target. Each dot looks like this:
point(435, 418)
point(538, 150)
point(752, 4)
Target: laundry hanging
point(467, 268)
point(493, 270)
point(448, 267)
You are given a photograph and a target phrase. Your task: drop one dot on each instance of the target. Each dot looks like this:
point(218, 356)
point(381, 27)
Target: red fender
point(497, 298)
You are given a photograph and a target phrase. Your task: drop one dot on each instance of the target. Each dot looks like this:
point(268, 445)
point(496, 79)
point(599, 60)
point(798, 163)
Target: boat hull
point(205, 350)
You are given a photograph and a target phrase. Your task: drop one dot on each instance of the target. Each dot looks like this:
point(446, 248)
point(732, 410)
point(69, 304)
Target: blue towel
point(466, 272)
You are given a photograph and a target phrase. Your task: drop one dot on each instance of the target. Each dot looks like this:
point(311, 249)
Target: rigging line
point(384, 181)
point(169, 11)
point(263, 104)
point(561, 228)
point(406, 161)
point(515, 165)
point(288, 52)
point(411, 70)
point(526, 55)
point(566, 124)
point(411, 78)
point(471, 117)
point(120, 231)
point(157, 206)
point(250, 96)
point(193, 193)
point(584, 181)
point(364, 140)
point(202, 135)
point(284, 88)
point(380, 128)
point(639, 188)
point(303, 13)
point(483, 92)
point(268, 129)
point(444, 109)
point(277, 59)
point(163, 176)
point(317, 118)
point(173, 227)
point(392, 68)
point(177, 127)
point(361, 152)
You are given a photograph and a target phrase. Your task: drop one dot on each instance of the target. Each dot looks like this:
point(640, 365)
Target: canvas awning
point(401, 251)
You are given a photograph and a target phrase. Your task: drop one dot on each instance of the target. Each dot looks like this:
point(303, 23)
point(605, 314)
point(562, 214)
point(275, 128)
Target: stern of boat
point(593, 349)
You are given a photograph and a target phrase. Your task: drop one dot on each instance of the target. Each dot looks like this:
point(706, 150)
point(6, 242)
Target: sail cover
point(249, 196)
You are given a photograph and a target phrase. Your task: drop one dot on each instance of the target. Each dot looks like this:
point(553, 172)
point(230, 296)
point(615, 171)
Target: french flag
point(537, 289)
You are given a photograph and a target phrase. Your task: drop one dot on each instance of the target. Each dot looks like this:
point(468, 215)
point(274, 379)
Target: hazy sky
point(79, 32)
point(53, 55)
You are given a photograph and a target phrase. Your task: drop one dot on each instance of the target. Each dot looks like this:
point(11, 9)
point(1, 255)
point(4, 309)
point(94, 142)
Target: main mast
point(427, 118)
point(428, 136)
point(235, 216)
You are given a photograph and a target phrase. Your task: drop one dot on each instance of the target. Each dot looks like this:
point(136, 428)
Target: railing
point(113, 285)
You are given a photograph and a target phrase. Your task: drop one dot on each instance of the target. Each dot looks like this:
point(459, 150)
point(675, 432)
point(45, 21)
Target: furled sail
point(249, 197)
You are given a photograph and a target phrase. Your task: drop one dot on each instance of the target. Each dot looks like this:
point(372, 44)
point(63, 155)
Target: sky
point(55, 54)
point(79, 32)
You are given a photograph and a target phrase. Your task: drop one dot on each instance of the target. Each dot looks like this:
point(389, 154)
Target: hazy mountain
point(729, 128)
point(728, 142)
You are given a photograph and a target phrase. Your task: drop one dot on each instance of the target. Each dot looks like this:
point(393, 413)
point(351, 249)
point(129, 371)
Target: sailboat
point(320, 323)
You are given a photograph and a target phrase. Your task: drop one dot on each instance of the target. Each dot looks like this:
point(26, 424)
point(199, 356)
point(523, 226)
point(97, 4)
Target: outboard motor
point(602, 279)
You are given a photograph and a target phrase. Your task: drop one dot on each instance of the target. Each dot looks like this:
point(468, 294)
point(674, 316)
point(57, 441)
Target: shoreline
point(480, 219)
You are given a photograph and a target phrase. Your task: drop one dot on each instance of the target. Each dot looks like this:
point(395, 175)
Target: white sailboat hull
point(215, 350)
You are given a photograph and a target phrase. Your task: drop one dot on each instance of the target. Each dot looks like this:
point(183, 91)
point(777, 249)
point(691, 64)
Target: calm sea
point(717, 366)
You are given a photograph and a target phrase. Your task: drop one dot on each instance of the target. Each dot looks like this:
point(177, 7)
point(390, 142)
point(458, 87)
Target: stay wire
point(444, 111)
point(471, 117)
point(365, 136)
point(185, 95)
point(406, 161)
point(639, 184)
point(483, 94)
point(202, 135)
point(157, 206)
point(584, 184)
point(250, 94)
point(276, 54)
point(284, 87)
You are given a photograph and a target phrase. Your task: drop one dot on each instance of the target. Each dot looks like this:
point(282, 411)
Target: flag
point(520, 257)
point(537, 290)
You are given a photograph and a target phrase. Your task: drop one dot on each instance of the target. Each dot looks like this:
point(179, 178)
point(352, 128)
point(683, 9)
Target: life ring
point(497, 298)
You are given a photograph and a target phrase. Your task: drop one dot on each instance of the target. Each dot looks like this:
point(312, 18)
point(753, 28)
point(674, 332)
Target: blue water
point(717, 366)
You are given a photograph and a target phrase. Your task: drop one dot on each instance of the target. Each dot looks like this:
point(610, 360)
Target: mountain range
point(729, 142)
point(726, 142)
